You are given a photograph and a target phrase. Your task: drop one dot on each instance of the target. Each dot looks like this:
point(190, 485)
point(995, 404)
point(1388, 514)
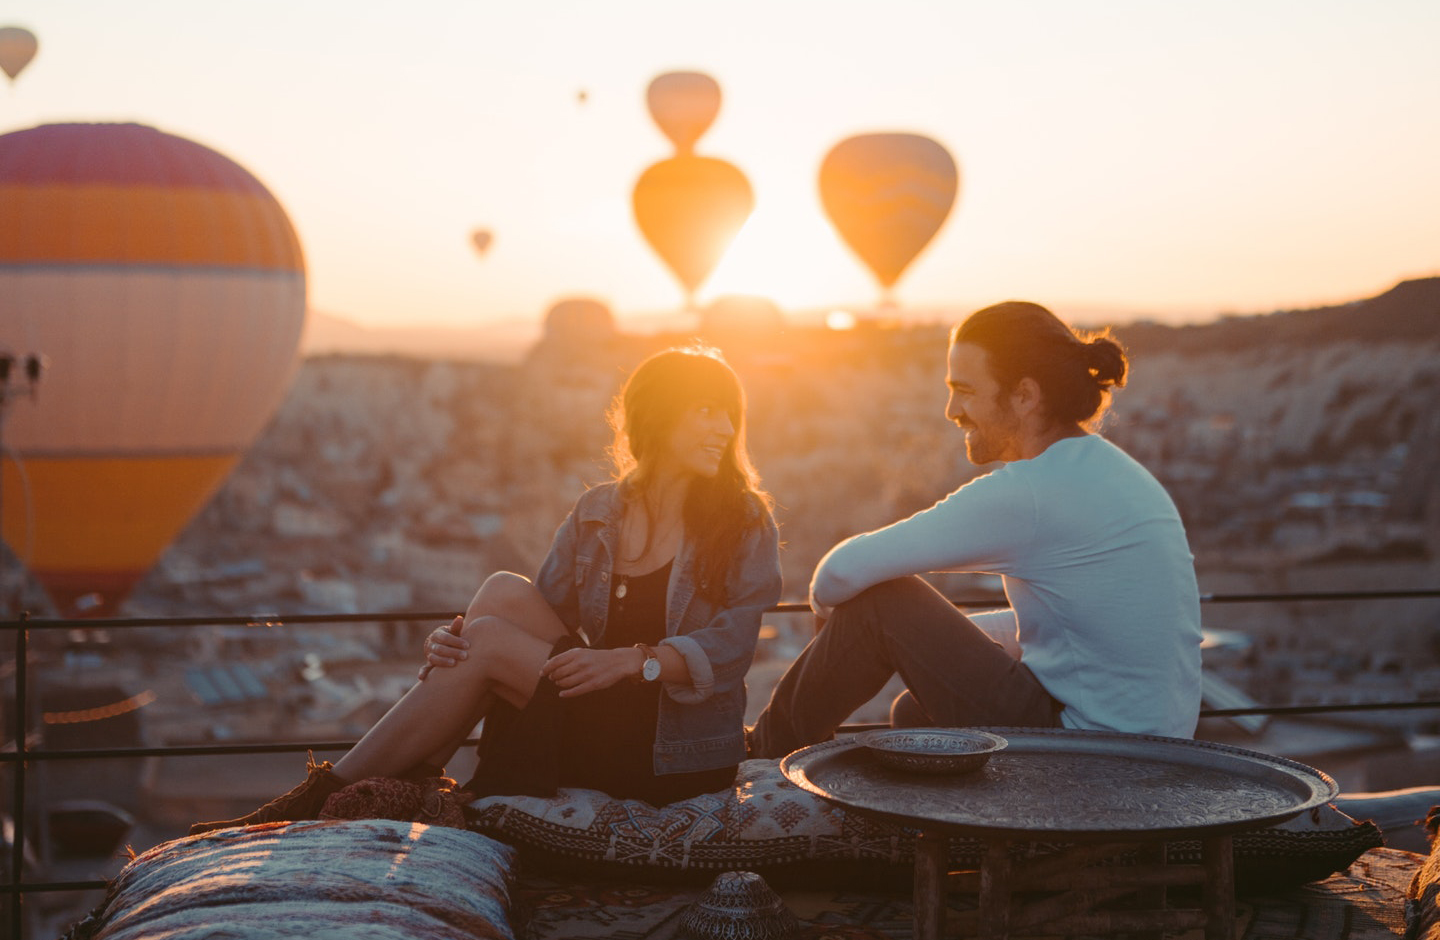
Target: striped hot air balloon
point(166, 287)
point(887, 195)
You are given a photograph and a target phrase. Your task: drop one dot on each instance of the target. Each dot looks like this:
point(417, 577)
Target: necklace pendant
point(620, 589)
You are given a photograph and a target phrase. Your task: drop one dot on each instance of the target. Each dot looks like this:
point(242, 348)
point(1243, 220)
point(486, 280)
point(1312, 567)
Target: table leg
point(1218, 858)
point(995, 880)
point(932, 863)
point(1153, 856)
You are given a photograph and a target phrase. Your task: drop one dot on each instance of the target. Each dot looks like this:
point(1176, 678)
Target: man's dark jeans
point(958, 676)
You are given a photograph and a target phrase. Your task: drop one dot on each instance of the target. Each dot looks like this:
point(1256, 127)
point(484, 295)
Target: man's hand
point(819, 623)
point(445, 647)
point(579, 671)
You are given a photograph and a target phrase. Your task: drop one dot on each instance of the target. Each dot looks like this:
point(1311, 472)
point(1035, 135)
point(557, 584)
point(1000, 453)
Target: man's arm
point(980, 527)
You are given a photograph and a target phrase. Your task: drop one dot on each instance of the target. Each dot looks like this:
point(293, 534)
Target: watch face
point(651, 670)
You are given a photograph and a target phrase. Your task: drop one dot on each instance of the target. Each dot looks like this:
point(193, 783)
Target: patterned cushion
point(367, 880)
point(1422, 898)
point(767, 822)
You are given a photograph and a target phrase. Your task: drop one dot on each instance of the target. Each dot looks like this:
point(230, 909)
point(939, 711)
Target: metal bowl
point(738, 906)
point(932, 750)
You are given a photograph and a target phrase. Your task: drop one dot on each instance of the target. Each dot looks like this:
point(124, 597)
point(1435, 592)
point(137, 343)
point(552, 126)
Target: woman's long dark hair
point(718, 510)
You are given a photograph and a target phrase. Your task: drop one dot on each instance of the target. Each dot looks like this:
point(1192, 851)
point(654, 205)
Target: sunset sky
point(1176, 160)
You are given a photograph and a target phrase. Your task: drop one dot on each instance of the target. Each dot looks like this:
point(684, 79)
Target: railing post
point(17, 825)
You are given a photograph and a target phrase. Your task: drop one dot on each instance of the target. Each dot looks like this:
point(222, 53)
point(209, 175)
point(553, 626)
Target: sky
point(1174, 160)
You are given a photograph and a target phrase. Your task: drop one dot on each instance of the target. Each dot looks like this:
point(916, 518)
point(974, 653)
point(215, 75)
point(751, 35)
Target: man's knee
point(890, 591)
point(901, 610)
point(906, 712)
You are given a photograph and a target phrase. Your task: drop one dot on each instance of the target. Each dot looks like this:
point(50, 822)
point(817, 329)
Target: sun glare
point(783, 256)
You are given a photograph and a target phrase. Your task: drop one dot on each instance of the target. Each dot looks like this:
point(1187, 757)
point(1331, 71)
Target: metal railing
point(20, 754)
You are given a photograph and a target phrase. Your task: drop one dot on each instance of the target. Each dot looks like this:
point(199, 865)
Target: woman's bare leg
point(511, 630)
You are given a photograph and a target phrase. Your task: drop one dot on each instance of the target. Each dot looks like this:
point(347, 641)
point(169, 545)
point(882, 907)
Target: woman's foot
point(303, 802)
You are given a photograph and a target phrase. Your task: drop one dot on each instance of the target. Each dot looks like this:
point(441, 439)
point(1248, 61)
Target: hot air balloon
point(689, 209)
point(480, 239)
point(683, 105)
point(887, 195)
point(17, 48)
point(167, 288)
point(579, 321)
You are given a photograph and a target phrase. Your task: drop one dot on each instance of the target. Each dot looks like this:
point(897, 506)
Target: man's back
point(1104, 589)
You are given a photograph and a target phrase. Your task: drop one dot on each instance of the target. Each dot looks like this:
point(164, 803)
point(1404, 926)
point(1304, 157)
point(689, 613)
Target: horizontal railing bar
point(1317, 709)
point(223, 620)
point(279, 619)
point(186, 750)
point(295, 747)
point(1319, 596)
point(36, 887)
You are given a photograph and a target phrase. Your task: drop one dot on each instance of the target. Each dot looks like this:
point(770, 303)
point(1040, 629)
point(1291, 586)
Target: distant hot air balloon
point(166, 286)
point(887, 195)
point(689, 209)
point(17, 48)
point(579, 322)
point(480, 239)
point(684, 105)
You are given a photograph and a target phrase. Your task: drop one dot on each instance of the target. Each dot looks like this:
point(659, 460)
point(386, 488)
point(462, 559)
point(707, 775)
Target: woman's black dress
point(602, 740)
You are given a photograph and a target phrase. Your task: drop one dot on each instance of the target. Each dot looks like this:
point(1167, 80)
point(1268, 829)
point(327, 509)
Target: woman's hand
point(444, 647)
point(579, 671)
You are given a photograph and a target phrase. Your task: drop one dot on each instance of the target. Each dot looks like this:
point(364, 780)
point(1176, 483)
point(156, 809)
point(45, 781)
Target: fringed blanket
point(367, 880)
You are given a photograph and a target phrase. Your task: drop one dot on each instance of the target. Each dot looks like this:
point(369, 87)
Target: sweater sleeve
point(983, 526)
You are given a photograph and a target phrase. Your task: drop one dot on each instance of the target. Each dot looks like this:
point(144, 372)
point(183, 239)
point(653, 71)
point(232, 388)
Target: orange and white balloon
point(166, 286)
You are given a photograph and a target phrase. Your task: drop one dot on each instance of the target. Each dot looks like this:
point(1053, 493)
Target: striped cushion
point(363, 880)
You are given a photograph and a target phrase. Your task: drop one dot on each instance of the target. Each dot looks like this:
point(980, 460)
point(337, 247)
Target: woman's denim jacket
point(701, 725)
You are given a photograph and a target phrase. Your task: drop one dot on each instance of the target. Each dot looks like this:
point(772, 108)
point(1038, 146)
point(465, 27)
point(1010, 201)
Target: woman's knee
point(485, 630)
point(503, 592)
point(516, 600)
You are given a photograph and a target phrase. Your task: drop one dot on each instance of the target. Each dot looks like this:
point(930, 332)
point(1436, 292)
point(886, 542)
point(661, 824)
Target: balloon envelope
point(166, 286)
point(887, 195)
point(17, 47)
point(683, 105)
point(480, 239)
point(689, 209)
point(579, 321)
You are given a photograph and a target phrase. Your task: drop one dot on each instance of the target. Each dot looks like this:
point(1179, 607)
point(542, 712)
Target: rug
point(1365, 902)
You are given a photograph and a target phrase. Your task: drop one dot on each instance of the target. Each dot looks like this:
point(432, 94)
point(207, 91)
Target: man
point(1104, 626)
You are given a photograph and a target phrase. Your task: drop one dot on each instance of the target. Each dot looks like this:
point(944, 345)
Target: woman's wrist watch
point(650, 669)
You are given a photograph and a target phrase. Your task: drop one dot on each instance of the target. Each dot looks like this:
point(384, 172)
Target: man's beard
point(988, 445)
point(979, 449)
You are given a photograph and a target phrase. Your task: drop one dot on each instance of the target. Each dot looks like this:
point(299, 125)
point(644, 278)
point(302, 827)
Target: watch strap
point(649, 652)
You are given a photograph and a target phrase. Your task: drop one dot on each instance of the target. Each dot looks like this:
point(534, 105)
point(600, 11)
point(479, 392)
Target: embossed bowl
point(932, 750)
point(739, 905)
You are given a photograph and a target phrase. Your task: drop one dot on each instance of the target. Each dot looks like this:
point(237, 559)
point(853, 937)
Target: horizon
point(326, 333)
point(1179, 163)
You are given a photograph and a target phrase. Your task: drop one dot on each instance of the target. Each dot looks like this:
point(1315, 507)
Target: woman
point(634, 639)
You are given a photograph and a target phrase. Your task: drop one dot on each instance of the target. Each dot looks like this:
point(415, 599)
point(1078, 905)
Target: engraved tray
point(1077, 785)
